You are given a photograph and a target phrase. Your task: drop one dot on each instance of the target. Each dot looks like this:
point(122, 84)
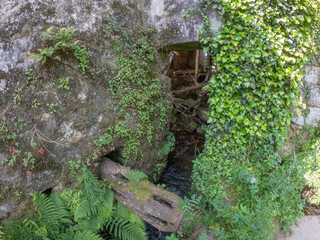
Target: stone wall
point(313, 87)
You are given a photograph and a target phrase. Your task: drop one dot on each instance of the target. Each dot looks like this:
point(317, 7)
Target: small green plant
point(35, 104)
point(15, 137)
point(63, 41)
point(175, 236)
point(310, 154)
point(17, 122)
point(17, 96)
point(64, 83)
point(159, 168)
point(28, 160)
point(18, 193)
point(75, 166)
point(167, 146)
point(3, 130)
point(136, 175)
point(32, 79)
point(52, 107)
point(71, 198)
point(162, 185)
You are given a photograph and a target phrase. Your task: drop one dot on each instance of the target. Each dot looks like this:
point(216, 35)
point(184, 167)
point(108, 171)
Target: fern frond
point(42, 233)
point(136, 175)
point(1, 234)
point(122, 211)
point(124, 230)
point(133, 218)
point(88, 235)
point(94, 223)
point(127, 214)
point(79, 235)
point(61, 208)
point(97, 222)
point(83, 211)
point(109, 198)
point(92, 192)
point(46, 209)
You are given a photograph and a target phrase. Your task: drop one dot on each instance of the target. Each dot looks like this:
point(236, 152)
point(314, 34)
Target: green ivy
point(259, 55)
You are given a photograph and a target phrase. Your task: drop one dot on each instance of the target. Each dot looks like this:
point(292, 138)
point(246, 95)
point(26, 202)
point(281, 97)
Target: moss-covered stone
point(52, 128)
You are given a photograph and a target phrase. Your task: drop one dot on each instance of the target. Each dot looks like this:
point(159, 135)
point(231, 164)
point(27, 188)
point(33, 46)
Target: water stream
point(177, 175)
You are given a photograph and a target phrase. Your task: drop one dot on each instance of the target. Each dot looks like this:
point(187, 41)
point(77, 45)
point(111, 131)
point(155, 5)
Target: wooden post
point(197, 65)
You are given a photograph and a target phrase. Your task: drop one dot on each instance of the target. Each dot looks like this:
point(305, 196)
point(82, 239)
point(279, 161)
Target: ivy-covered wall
point(245, 185)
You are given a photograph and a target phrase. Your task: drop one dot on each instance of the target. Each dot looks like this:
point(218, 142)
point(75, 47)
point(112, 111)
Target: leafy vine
point(260, 53)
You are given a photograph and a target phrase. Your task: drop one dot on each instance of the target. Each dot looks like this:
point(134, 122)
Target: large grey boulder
point(63, 123)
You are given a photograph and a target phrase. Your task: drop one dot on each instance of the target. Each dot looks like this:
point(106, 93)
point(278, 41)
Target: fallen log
point(153, 204)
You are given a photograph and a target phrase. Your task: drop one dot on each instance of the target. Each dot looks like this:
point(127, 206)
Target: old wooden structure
point(153, 204)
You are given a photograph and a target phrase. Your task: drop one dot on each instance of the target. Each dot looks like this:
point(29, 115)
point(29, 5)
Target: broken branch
point(180, 91)
point(193, 79)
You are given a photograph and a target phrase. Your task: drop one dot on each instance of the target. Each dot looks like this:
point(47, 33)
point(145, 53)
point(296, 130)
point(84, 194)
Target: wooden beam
point(153, 204)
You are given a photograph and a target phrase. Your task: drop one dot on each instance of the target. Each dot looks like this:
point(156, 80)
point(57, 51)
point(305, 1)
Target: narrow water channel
point(177, 175)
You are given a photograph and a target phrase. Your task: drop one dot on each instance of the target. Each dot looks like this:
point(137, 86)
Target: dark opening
point(158, 220)
point(47, 191)
point(121, 177)
point(190, 72)
point(160, 200)
point(115, 156)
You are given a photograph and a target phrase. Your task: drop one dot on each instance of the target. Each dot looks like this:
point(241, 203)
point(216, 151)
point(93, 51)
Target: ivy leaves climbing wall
point(259, 56)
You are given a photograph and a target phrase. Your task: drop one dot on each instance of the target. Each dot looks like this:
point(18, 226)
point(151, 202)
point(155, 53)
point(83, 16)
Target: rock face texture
point(47, 129)
point(311, 95)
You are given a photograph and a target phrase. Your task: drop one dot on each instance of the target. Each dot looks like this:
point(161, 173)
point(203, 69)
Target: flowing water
point(177, 175)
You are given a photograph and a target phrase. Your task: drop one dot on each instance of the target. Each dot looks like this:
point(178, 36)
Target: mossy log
point(153, 204)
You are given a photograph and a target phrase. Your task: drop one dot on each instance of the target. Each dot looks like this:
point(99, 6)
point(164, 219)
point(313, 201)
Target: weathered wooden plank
point(153, 204)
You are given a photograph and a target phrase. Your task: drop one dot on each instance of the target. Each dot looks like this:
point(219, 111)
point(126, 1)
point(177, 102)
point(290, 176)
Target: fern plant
point(79, 235)
point(62, 41)
point(1, 234)
point(136, 175)
point(126, 224)
point(96, 212)
point(167, 146)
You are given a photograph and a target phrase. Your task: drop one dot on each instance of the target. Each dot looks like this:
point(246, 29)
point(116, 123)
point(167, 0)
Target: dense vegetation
point(244, 182)
point(87, 213)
